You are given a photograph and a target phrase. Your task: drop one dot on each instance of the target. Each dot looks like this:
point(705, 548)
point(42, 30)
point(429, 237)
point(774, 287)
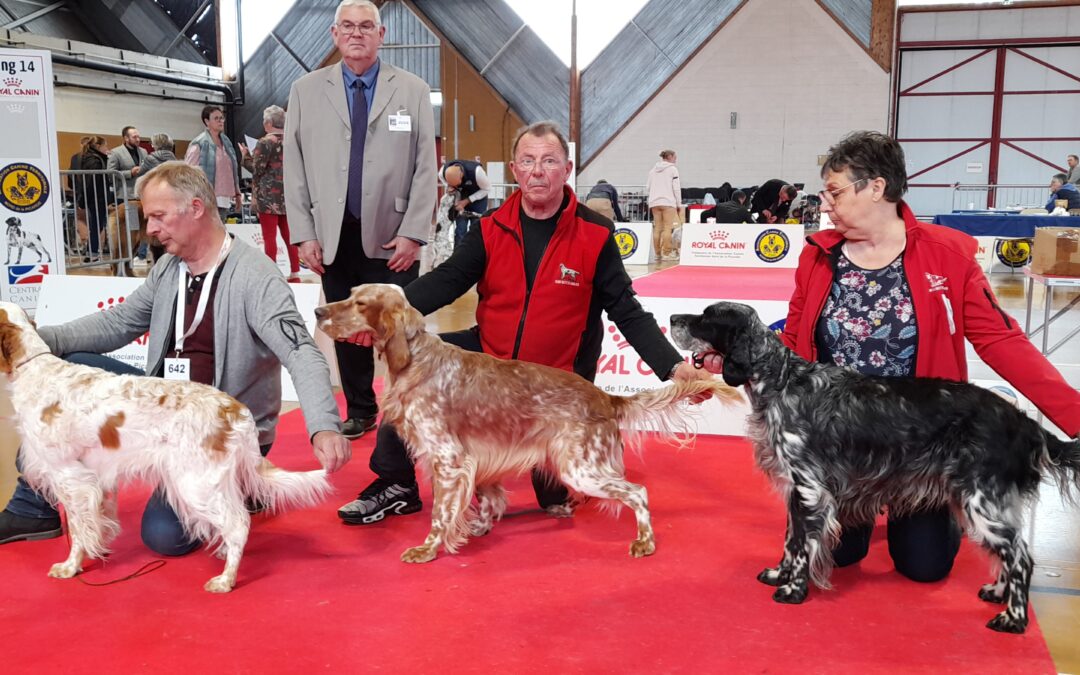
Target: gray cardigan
point(256, 325)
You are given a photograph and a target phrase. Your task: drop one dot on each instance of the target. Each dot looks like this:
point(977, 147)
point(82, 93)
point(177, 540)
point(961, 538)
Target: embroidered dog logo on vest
point(567, 276)
point(937, 283)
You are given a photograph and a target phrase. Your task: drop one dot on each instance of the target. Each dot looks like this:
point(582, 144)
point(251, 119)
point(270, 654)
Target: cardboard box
point(1056, 251)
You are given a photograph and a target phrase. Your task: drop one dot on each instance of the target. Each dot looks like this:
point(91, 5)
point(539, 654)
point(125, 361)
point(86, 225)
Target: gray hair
point(188, 180)
point(162, 142)
point(275, 116)
point(357, 3)
point(1059, 177)
point(541, 129)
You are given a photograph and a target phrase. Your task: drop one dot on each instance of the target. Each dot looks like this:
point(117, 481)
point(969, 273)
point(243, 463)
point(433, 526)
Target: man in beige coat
point(359, 205)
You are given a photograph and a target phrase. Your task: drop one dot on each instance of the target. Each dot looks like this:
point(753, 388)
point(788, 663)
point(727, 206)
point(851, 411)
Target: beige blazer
point(399, 166)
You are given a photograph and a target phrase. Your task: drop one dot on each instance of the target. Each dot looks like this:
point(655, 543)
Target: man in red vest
point(545, 267)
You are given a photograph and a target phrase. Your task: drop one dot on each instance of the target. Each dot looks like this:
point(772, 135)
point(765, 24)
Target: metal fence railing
point(99, 220)
point(1016, 196)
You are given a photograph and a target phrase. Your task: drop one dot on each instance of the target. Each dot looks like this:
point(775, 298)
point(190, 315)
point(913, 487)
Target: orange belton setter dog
point(471, 419)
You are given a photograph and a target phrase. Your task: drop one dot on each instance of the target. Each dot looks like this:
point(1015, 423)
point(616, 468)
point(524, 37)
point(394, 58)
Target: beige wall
point(797, 81)
point(495, 124)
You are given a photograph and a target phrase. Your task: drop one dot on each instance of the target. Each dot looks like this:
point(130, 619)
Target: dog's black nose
point(321, 312)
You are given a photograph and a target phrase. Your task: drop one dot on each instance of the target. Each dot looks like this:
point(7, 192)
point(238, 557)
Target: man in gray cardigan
point(250, 327)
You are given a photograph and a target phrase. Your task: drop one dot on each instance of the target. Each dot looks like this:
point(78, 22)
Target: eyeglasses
point(547, 163)
point(830, 196)
point(366, 28)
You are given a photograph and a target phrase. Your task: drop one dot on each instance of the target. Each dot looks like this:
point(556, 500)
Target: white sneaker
point(139, 261)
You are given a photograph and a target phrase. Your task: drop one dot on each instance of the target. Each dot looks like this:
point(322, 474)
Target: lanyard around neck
point(204, 296)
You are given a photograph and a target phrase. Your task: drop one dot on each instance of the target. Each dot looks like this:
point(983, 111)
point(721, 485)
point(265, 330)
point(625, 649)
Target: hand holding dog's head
point(380, 309)
point(724, 328)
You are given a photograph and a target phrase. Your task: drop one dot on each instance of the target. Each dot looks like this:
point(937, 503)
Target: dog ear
point(738, 362)
point(393, 331)
point(10, 344)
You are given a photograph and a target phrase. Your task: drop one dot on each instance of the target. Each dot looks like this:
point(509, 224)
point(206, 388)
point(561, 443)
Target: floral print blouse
point(268, 191)
point(868, 323)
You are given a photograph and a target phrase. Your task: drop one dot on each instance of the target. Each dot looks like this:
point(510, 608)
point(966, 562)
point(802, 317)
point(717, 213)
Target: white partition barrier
point(67, 297)
point(635, 242)
point(741, 245)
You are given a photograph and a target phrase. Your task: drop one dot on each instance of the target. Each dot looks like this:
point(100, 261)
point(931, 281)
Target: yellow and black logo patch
point(25, 187)
point(772, 245)
point(627, 242)
point(1014, 252)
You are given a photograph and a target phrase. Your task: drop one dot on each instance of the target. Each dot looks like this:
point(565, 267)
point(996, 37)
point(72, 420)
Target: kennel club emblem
point(1014, 253)
point(772, 246)
point(21, 240)
point(24, 187)
point(627, 242)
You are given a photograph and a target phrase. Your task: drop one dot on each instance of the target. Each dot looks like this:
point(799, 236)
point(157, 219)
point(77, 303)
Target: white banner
point(621, 371)
point(30, 191)
point(65, 298)
point(741, 245)
point(635, 242)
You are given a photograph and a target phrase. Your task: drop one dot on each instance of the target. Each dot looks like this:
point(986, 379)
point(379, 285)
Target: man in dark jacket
point(605, 190)
point(1060, 188)
point(544, 267)
point(770, 201)
point(733, 211)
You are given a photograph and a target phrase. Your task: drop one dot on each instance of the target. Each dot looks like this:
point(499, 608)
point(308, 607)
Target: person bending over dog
point(545, 266)
point(240, 324)
point(885, 294)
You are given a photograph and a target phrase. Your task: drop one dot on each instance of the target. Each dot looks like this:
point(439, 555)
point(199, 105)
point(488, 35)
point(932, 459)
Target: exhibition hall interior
point(823, 217)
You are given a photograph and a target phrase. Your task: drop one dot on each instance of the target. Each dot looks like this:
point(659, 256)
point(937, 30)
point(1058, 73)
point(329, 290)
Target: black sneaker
point(355, 427)
point(19, 528)
point(380, 499)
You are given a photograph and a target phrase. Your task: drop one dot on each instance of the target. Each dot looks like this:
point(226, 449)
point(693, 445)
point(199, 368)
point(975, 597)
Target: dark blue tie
point(356, 150)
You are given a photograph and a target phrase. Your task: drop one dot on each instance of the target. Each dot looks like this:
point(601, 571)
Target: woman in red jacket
point(885, 294)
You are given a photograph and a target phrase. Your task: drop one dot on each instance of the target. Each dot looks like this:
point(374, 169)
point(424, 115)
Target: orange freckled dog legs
point(453, 487)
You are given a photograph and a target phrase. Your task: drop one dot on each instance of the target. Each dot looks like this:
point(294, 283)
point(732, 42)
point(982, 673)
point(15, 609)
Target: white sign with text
point(30, 189)
point(741, 245)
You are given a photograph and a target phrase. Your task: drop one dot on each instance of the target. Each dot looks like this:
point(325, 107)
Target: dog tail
point(653, 410)
point(278, 489)
point(1063, 463)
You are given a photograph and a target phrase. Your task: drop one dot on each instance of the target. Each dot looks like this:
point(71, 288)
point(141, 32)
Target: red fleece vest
point(545, 324)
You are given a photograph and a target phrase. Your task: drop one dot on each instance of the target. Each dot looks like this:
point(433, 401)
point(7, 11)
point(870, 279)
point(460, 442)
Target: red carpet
point(537, 595)
point(744, 283)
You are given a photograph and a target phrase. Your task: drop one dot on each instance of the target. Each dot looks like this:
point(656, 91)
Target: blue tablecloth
point(1004, 225)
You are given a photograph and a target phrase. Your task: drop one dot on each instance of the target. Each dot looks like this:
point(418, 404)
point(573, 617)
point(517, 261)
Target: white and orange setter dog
point(83, 430)
point(471, 420)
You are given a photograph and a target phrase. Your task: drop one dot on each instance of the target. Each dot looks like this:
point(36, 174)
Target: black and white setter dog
point(841, 445)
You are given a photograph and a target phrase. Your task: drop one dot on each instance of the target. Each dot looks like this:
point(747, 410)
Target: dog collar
point(28, 359)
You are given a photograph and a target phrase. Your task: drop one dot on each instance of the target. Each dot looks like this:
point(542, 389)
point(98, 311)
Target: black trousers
point(923, 545)
point(390, 459)
point(351, 267)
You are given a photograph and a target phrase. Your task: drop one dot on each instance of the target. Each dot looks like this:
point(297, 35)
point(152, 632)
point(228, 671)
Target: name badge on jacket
point(400, 123)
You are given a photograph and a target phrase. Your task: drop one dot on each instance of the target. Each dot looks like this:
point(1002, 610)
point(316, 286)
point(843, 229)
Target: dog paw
point(773, 576)
point(64, 570)
point(790, 594)
point(992, 593)
point(1003, 623)
point(219, 584)
point(565, 510)
point(418, 554)
point(640, 549)
point(478, 528)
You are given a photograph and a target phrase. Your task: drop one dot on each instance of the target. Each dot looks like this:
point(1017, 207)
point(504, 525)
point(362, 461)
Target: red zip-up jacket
point(952, 301)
